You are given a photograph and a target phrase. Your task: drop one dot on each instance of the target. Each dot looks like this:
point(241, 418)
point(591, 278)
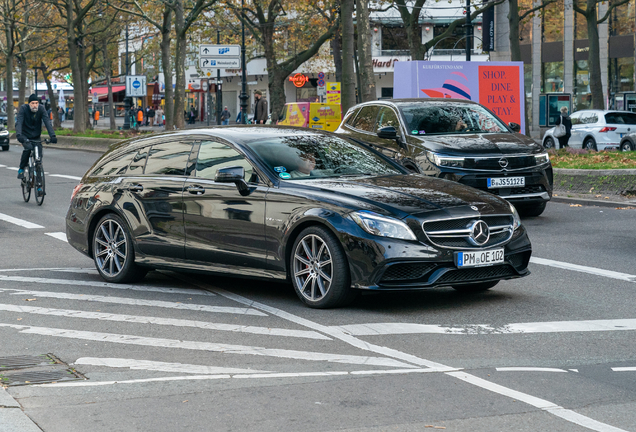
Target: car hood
point(403, 195)
point(477, 144)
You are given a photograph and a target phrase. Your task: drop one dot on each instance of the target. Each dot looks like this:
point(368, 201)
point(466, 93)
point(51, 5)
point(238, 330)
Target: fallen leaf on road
point(598, 196)
point(30, 299)
point(576, 205)
point(184, 401)
point(19, 319)
point(606, 197)
point(434, 427)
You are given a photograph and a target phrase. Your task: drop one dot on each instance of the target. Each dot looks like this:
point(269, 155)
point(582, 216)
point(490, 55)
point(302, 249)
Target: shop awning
point(104, 90)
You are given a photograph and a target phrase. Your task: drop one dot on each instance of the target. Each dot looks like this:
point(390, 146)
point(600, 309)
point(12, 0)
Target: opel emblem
point(503, 162)
point(479, 233)
point(474, 208)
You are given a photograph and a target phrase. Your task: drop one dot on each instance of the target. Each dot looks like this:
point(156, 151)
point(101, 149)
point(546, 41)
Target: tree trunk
point(367, 77)
point(348, 89)
point(22, 97)
point(513, 36)
point(109, 83)
point(167, 68)
point(9, 74)
point(80, 115)
point(337, 55)
point(179, 97)
point(594, 62)
point(49, 88)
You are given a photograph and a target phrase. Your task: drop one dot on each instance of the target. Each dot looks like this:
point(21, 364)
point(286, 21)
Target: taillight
point(607, 129)
point(76, 190)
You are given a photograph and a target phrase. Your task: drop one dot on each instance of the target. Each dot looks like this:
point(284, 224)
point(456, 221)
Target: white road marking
point(542, 404)
point(528, 369)
point(161, 366)
point(240, 376)
point(624, 369)
point(13, 168)
point(381, 329)
point(19, 222)
point(91, 271)
point(56, 269)
point(338, 334)
point(208, 346)
point(65, 176)
point(3, 166)
point(584, 269)
point(58, 235)
point(308, 334)
point(137, 302)
point(99, 284)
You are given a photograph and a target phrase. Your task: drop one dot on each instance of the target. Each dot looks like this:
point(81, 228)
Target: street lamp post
point(127, 100)
point(469, 31)
point(244, 97)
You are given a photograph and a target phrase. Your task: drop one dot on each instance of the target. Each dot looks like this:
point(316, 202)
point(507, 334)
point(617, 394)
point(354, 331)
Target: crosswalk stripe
point(99, 284)
point(19, 222)
point(58, 235)
point(207, 346)
point(161, 366)
point(138, 302)
point(65, 176)
point(584, 269)
point(308, 334)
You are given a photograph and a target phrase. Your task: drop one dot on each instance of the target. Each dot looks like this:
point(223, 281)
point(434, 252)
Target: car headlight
point(541, 159)
point(516, 220)
point(4, 133)
point(445, 161)
point(382, 226)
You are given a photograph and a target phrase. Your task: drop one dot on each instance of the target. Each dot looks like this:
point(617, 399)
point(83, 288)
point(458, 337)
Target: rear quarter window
point(620, 118)
point(116, 166)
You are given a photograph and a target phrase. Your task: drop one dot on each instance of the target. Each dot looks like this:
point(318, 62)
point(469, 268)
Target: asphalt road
point(551, 352)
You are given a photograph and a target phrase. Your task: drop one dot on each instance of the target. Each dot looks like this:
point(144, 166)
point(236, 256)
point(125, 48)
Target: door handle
point(135, 188)
point(196, 190)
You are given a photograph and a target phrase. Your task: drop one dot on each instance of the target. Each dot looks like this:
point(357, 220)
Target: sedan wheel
point(627, 146)
point(590, 144)
point(113, 251)
point(548, 143)
point(319, 269)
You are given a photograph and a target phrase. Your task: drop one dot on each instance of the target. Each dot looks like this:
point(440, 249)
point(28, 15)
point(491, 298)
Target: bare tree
point(348, 95)
point(367, 78)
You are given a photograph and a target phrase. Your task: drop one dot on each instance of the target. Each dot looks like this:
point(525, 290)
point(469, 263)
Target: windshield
point(301, 157)
point(449, 118)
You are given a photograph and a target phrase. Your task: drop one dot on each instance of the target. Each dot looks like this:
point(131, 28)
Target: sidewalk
point(104, 123)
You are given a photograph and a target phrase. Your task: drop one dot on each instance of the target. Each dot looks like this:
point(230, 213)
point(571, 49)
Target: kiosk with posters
point(550, 105)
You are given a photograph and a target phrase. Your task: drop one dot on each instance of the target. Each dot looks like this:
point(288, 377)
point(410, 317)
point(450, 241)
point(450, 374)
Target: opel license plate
point(505, 182)
point(479, 258)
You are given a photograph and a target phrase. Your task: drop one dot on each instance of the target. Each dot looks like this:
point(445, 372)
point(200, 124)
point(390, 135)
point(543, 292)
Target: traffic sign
point(321, 82)
point(206, 50)
point(136, 86)
point(321, 76)
point(219, 62)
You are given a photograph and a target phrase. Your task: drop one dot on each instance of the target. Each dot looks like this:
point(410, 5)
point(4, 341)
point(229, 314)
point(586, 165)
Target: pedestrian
point(140, 117)
point(191, 121)
point(238, 117)
point(260, 108)
point(567, 122)
point(225, 116)
point(151, 116)
point(60, 113)
point(95, 117)
point(159, 115)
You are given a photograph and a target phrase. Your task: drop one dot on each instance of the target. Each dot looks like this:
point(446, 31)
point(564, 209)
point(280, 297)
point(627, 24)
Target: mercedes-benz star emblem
point(503, 162)
point(479, 233)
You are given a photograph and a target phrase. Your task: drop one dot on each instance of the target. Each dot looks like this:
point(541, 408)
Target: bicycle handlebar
point(46, 141)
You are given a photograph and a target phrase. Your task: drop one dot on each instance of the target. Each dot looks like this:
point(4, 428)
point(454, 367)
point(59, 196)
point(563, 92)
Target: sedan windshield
point(449, 118)
point(298, 157)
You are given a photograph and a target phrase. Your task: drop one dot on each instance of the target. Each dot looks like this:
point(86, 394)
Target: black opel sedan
point(457, 140)
point(324, 212)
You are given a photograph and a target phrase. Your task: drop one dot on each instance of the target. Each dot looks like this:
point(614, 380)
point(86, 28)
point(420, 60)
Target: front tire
point(590, 144)
point(113, 251)
point(26, 185)
point(475, 288)
point(319, 269)
point(39, 187)
point(531, 210)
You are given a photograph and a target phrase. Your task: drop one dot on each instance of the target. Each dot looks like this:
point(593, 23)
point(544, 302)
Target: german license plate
point(502, 182)
point(479, 258)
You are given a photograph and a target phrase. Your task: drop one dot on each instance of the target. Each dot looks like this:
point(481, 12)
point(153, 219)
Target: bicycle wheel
point(39, 184)
point(26, 185)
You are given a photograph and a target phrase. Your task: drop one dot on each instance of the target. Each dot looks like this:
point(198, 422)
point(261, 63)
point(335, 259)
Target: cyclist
point(29, 127)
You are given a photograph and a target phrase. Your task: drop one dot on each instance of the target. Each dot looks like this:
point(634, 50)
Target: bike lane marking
point(58, 235)
point(584, 269)
point(19, 222)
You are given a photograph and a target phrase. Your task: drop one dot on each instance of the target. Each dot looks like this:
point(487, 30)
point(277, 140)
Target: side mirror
point(515, 127)
point(236, 175)
point(388, 132)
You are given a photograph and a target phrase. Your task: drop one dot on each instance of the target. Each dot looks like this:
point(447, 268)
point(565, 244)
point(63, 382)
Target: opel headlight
point(4, 133)
point(445, 161)
point(541, 158)
point(516, 220)
point(382, 226)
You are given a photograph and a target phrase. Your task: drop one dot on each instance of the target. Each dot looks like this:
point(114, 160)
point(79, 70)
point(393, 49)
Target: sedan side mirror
point(236, 175)
point(387, 132)
point(515, 127)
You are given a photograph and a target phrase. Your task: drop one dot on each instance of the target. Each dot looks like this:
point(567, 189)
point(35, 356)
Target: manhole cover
point(20, 362)
point(37, 377)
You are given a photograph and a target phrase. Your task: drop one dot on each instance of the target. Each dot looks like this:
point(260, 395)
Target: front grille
point(476, 274)
point(492, 164)
point(455, 233)
point(409, 271)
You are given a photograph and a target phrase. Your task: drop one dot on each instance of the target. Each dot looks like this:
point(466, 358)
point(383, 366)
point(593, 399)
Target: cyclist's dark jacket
point(29, 124)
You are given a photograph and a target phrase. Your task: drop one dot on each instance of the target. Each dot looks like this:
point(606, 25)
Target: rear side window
point(168, 158)
point(589, 118)
point(620, 118)
point(116, 166)
point(366, 118)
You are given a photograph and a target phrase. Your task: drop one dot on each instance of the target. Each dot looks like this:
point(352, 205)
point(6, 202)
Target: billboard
point(496, 85)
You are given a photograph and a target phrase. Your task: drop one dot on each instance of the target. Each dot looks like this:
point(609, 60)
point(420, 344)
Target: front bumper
point(380, 263)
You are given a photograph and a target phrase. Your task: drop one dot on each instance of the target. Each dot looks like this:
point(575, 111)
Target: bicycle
point(34, 173)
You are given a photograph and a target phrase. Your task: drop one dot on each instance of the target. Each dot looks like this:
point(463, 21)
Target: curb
point(12, 418)
point(592, 202)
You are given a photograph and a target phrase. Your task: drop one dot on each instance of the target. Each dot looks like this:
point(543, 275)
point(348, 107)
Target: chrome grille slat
point(455, 233)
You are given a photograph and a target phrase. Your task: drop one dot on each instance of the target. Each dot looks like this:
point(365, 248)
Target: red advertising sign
point(499, 91)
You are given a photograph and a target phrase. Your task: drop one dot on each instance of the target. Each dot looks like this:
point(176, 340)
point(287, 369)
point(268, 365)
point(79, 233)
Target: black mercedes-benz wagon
point(324, 212)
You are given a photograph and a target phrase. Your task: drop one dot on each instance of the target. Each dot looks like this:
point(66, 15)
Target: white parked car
point(596, 129)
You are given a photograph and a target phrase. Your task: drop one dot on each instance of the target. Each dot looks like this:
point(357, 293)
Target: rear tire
point(548, 143)
point(319, 269)
point(627, 145)
point(39, 184)
point(5, 148)
point(590, 144)
point(113, 251)
point(475, 288)
point(531, 210)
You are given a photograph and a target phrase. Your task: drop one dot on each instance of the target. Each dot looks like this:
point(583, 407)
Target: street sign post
point(136, 86)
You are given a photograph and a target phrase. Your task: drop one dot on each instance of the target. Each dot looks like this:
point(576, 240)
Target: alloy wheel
point(110, 248)
point(313, 267)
